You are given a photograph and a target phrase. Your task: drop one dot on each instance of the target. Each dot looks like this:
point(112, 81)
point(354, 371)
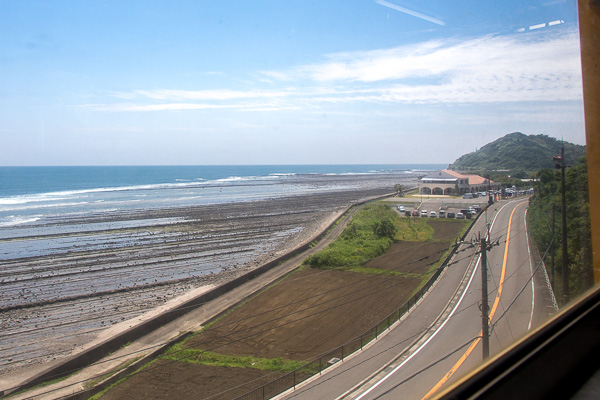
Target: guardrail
point(317, 365)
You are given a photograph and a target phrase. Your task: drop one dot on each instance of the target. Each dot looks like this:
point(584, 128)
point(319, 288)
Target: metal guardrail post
point(403, 309)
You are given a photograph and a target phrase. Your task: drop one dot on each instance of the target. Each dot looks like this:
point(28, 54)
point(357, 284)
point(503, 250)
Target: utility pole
point(485, 322)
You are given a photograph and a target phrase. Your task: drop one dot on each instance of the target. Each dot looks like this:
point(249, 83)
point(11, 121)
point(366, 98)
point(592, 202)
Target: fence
point(317, 365)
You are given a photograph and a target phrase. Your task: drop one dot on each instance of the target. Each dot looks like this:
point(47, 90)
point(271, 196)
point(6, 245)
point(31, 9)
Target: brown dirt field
point(180, 380)
point(301, 317)
point(308, 314)
point(403, 256)
point(446, 229)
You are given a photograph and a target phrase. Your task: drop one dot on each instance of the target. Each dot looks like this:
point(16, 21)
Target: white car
point(432, 214)
point(423, 213)
point(401, 208)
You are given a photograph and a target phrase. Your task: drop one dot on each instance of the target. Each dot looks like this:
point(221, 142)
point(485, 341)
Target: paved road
point(439, 341)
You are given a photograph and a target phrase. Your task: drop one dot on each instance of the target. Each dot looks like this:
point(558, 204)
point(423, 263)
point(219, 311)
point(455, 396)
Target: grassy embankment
point(370, 234)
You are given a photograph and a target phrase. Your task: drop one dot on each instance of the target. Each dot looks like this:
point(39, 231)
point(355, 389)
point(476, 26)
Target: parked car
point(432, 214)
point(467, 196)
point(451, 215)
point(407, 213)
point(442, 213)
point(415, 213)
point(460, 216)
point(423, 213)
point(401, 208)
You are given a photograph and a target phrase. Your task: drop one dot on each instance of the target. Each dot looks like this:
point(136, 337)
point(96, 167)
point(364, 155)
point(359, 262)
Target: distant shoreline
point(141, 268)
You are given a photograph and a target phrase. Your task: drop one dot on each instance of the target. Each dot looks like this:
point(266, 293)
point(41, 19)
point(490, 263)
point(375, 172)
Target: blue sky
point(282, 82)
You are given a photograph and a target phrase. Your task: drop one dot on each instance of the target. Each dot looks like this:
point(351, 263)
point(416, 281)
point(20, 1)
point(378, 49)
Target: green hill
point(517, 151)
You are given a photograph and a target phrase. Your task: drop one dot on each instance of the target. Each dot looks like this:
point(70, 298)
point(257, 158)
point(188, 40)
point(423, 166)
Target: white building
point(454, 183)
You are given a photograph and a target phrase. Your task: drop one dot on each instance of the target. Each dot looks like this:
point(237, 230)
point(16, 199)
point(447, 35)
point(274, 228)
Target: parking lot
point(438, 206)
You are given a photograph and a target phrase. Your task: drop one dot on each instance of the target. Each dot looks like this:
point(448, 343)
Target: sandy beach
point(55, 304)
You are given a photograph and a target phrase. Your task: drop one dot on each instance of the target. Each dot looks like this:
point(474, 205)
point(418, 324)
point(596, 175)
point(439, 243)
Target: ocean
point(84, 248)
point(49, 194)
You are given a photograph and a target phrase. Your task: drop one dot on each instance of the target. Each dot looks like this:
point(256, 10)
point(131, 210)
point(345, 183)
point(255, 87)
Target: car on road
point(460, 215)
point(451, 215)
point(423, 213)
point(432, 214)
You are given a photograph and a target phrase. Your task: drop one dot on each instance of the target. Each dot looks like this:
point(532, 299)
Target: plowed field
point(299, 318)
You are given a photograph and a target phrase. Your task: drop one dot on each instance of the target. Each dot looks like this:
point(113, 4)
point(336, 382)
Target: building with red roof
point(454, 183)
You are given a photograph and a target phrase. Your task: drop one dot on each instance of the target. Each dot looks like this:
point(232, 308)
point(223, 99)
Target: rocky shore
point(53, 304)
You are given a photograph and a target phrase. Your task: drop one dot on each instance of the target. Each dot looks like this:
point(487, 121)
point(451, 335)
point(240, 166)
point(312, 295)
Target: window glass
point(154, 150)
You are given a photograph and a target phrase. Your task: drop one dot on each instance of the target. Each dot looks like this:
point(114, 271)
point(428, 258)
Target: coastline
point(155, 340)
point(271, 227)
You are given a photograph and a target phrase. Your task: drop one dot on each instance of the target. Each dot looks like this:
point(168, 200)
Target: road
point(440, 340)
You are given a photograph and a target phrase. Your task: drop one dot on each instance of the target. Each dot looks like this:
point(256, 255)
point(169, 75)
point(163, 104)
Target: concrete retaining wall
point(81, 360)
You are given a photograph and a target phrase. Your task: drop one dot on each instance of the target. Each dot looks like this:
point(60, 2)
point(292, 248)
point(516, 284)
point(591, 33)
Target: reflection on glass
point(154, 151)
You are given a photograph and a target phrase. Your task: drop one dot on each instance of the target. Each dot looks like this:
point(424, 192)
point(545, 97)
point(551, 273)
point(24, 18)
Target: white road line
point(531, 273)
point(440, 327)
point(429, 339)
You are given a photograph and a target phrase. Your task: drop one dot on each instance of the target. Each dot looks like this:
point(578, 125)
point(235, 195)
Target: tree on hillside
point(579, 247)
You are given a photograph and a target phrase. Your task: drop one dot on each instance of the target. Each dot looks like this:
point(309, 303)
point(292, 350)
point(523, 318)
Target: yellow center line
point(491, 315)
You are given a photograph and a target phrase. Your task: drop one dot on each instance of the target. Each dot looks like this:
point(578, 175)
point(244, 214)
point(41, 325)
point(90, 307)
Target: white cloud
point(490, 69)
point(218, 95)
point(125, 107)
point(487, 69)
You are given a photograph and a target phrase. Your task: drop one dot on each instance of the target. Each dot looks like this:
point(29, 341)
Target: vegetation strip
point(376, 223)
point(202, 357)
point(371, 232)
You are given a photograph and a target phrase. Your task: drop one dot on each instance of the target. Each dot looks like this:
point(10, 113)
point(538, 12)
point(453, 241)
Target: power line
point(310, 307)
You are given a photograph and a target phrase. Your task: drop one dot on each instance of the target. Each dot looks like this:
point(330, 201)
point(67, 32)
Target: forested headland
point(527, 160)
point(517, 153)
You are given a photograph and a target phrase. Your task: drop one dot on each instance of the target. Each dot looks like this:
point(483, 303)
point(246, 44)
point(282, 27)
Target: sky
point(282, 82)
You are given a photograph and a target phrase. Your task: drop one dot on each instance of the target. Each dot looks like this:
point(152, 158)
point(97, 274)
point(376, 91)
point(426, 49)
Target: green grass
point(196, 356)
point(40, 385)
point(359, 242)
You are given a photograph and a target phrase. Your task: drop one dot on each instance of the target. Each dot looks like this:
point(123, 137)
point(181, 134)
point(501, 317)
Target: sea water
point(41, 195)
